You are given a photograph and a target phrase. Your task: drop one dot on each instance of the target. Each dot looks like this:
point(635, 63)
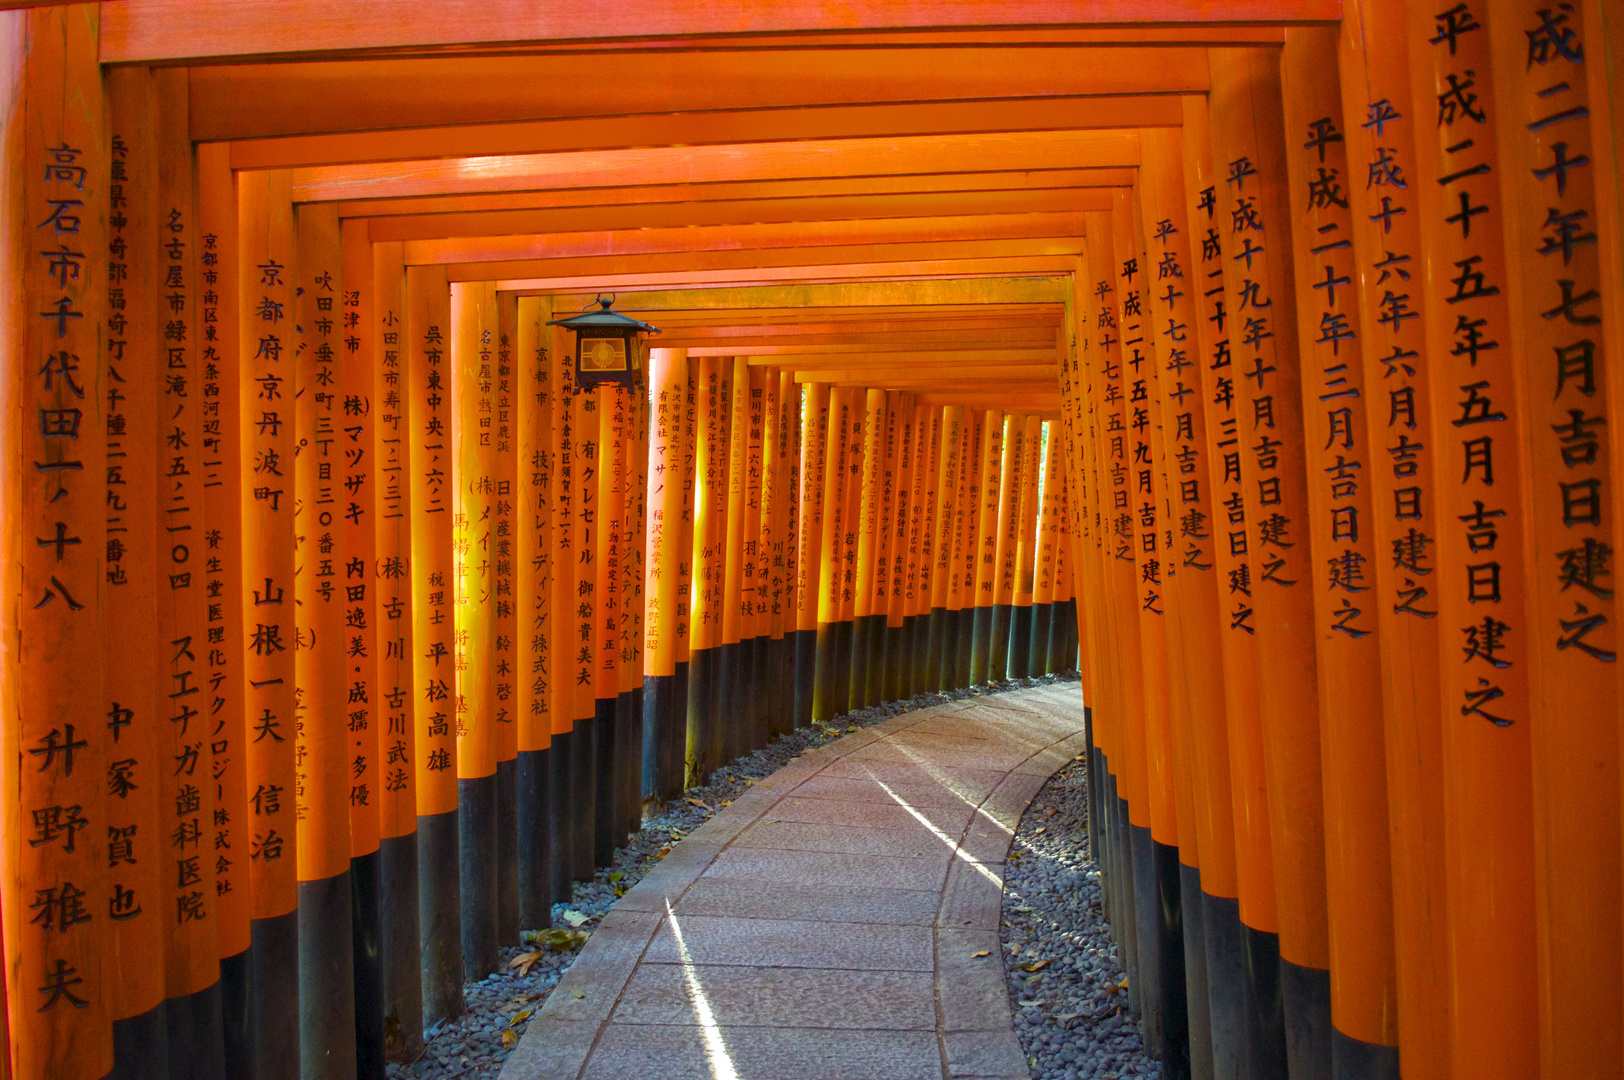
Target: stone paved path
point(826, 925)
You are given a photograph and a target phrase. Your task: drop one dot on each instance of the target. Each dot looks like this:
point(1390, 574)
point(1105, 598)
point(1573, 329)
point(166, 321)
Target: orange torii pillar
point(427, 332)
point(1253, 202)
point(1562, 336)
point(733, 678)
point(949, 464)
point(610, 505)
point(984, 553)
point(754, 633)
point(686, 539)
point(884, 550)
point(910, 679)
point(136, 993)
point(668, 542)
point(776, 556)
point(1481, 589)
point(382, 320)
point(472, 359)
point(1062, 619)
point(704, 632)
point(566, 784)
point(1006, 541)
point(814, 429)
point(222, 442)
point(59, 891)
point(897, 684)
point(504, 476)
point(1337, 416)
point(1241, 927)
point(267, 346)
point(1128, 800)
point(1023, 555)
point(866, 627)
point(1155, 852)
point(535, 556)
point(1045, 552)
point(847, 573)
point(826, 695)
point(923, 542)
point(633, 663)
point(1380, 144)
point(961, 592)
point(364, 717)
point(1213, 950)
point(584, 428)
point(326, 944)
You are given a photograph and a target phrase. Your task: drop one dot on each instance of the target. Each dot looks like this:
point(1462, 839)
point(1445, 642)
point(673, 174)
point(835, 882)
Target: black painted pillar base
point(367, 962)
point(196, 1051)
point(1305, 999)
point(724, 717)
point(962, 640)
point(236, 1045)
point(1195, 972)
point(507, 852)
point(583, 796)
point(605, 812)
point(761, 688)
point(1174, 1003)
point(701, 716)
point(1037, 649)
point(476, 837)
point(678, 748)
point(658, 730)
point(1354, 1059)
point(635, 785)
point(806, 670)
point(935, 623)
point(891, 650)
point(840, 634)
point(326, 980)
point(532, 796)
point(560, 808)
point(273, 997)
point(980, 643)
point(628, 769)
point(1265, 1021)
point(857, 686)
point(1147, 935)
point(439, 911)
point(782, 719)
point(919, 648)
point(1020, 641)
point(823, 674)
point(402, 968)
point(1226, 985)
point(904, 661)
point(141, 1045)
point(998, 643)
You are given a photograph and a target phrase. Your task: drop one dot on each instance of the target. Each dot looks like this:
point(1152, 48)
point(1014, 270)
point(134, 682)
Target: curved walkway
point(837, 922)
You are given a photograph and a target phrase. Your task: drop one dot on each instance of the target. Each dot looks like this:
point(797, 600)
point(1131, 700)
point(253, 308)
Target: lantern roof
point(603, 318)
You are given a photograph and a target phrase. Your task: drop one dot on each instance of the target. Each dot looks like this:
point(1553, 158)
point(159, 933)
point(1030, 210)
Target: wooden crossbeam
point(244, 101)
point(148, 31)
point(610, 278)
point(779, 159)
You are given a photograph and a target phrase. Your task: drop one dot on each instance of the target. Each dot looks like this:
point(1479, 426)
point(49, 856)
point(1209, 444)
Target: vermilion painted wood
point(151, 30)
point(1030, 266)
point(244, 101)
point(439, 173)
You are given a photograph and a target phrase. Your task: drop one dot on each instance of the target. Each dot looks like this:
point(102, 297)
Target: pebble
point(474, 1045)
point(1052, 911)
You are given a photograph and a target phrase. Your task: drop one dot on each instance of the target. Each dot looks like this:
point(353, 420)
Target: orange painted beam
point(241, 101)
point(555, 220)
point(437, 174)
point(1030, 326)
point(763, 259)
point(858, 363)
point(733, 191)
point(741, 277)
point(897, 375)
point(1022, 401)
point(1013, 334)
point(710, 128)
point(154, 30)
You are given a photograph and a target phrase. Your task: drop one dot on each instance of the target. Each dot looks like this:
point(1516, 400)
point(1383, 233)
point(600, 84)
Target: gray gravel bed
point(500, 1006)
point(1071, 1012)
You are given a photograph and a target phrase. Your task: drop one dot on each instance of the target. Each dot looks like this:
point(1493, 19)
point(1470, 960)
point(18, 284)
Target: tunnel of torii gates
point(1249, 357)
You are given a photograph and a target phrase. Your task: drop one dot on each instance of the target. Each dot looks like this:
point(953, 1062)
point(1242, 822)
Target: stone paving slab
point(825, 925)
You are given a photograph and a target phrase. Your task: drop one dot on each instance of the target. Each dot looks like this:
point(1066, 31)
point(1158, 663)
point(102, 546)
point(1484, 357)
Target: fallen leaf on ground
point(1036, 965)
point(509, 1038)
point(519, 1018)
point(616, 876)
point(523, 962)
point(699, 803)
point(576, 918)
point(561, 940)
point(983, 952)
point(1030, 1004)
point(576, 993)
point(852, 729)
